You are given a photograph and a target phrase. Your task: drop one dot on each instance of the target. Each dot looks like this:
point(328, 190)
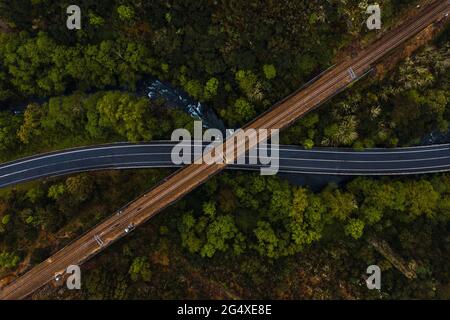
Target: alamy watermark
point(73, 281)
point(374, 20)
point(74, 19)
point(374, 280)
point(231, 150)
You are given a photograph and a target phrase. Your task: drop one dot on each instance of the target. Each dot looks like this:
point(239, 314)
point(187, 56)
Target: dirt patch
point(4, 27)
point(390, 63)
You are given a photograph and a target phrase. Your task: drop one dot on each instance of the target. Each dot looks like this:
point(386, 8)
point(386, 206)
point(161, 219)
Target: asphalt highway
point(292, 159)
point(191, 176)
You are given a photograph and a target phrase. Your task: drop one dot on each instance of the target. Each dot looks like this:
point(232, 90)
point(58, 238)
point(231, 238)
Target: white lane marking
point(331, 171)
point(437, 170)
point(340, 169)
point(251, 157)
point(395, 151)
point(440, 147)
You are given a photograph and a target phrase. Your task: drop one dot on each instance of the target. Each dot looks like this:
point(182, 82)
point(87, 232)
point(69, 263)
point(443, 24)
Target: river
point(176, 98)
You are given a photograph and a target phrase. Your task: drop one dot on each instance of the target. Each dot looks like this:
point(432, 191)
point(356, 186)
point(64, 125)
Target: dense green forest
point(239, 57)
point(257, 223)
point(239, 235)
point(82, 119)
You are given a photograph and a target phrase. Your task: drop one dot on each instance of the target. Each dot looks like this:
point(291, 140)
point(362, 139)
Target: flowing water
point(175, 98)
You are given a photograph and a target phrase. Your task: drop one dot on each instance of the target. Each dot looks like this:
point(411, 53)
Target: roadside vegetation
point(83, 119)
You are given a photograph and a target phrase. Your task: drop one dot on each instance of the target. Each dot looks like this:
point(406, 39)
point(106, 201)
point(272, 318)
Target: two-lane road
point(292, 159)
